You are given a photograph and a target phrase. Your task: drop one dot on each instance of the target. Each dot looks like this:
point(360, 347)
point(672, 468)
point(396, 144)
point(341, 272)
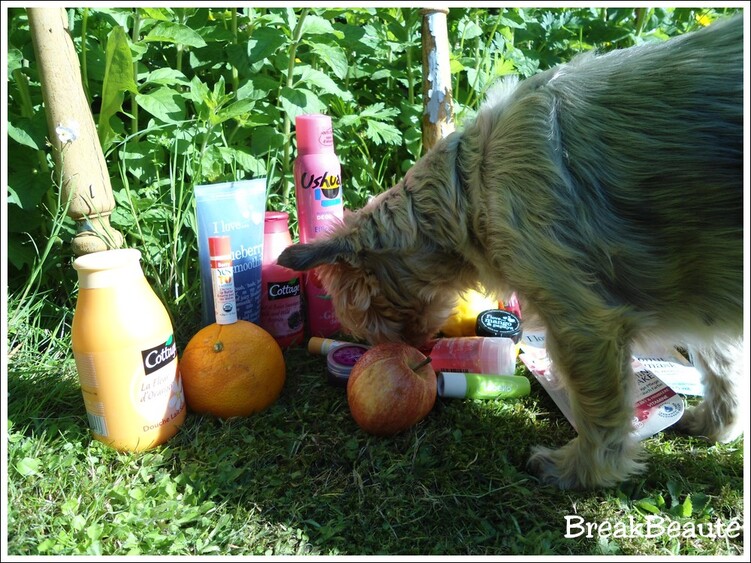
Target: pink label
point(655, 393)
point(281, 311)
point(348, 355)
point(457, 355)
point(318, 189)
point(322, 320)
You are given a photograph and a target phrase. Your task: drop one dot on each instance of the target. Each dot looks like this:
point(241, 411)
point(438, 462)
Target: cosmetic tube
point(481, 386)
point(322, 346)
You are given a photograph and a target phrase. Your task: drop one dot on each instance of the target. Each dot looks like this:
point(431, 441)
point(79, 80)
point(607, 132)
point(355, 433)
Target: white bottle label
point(222, 280)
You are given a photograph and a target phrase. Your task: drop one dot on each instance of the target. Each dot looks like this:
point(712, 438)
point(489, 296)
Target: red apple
point(391, 388)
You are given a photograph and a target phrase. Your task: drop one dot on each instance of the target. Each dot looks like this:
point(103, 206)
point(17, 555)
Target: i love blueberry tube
point(233, 209)
point(318, 192)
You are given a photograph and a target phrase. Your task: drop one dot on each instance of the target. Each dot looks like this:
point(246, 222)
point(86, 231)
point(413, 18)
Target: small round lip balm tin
point(499, 322)
point(341, 360)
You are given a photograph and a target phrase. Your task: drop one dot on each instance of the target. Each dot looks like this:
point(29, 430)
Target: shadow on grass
point(456, 484)
point(48, 402)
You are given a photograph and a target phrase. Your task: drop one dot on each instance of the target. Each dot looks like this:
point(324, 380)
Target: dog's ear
point(302, 257)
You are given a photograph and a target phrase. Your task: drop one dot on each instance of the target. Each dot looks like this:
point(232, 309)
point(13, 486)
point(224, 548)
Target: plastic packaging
point(222, 280)
point(318, 193)
point(340, 360)
point(656, 405)
point(125, 353)
point(281, 297)
point(498, 322)
point(474, 354)
point(481, 386)
point(513, 305)
point(234, 209)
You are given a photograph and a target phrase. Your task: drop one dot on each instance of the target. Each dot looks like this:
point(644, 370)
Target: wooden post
point(77, 152)
point(438, 106)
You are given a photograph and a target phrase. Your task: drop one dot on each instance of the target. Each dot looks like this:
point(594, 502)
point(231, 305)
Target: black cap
point(499, 322)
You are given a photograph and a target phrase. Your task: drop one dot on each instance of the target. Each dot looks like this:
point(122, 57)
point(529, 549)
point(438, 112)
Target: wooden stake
point(77, 152)
point(438, 106)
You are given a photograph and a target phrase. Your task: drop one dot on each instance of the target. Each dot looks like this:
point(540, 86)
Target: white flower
point(67, 133)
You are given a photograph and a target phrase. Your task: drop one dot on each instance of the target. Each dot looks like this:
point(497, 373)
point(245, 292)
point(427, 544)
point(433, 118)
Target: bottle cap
point(498, 322)
point(220, 246)
point(340, 361)
point(276, 222)
point(498, 355)
point(108, 267)
point(314, 134)
point(451, 385)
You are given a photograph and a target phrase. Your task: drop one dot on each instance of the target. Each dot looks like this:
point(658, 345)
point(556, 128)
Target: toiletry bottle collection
point(123, 339)
point(292, 305)
point(473, 367)
point(287, 304)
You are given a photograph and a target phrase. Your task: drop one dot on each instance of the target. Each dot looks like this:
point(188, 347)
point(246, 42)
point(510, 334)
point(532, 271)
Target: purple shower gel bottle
point(318, 190)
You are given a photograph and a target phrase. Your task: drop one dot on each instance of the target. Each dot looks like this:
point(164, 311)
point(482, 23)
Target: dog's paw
point(701, 421)
point(575, 466)
point(544, 464)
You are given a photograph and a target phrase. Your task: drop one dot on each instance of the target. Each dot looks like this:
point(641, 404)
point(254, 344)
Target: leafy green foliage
point(185, 96)
point(118, 79)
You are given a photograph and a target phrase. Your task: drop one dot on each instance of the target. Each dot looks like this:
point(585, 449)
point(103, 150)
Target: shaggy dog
point(608, 193)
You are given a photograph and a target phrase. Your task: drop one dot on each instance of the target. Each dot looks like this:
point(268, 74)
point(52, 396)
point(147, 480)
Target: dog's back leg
point(720, 416)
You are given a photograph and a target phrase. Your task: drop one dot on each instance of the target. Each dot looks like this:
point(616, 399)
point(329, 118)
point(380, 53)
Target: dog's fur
point(608, 193)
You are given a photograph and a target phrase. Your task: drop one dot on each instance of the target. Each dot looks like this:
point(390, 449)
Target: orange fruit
point(232, 370)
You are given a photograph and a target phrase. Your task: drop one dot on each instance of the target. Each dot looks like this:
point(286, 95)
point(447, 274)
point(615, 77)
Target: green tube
point(481, 386)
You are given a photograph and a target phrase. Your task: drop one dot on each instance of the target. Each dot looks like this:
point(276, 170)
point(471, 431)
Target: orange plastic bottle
point(125, 353)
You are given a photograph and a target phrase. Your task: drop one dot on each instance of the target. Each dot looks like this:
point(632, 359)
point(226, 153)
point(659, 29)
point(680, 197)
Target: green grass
point(302, 478)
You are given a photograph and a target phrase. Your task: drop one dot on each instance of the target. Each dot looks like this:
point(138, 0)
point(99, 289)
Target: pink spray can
point(318, 191)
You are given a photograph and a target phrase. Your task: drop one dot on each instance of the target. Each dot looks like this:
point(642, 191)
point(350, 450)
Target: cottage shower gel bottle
point(318, 192)
point(281, 293)
point(125, 353)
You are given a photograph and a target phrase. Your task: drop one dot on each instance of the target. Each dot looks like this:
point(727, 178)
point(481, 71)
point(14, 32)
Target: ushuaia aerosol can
point(318, 190)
